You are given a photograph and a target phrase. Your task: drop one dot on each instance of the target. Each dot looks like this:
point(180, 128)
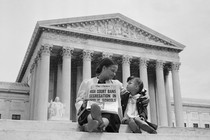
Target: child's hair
point(139, 82)
point(105, 62)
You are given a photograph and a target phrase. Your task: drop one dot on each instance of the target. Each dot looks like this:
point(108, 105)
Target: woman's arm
point(122, 89)
point(81, 95)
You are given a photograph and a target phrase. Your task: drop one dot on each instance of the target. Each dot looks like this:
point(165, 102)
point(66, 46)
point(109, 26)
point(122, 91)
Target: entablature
point(66, 35)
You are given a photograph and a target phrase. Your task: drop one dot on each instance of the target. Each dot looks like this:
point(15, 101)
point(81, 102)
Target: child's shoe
point(144, 126)
point(134, 128)
point(154, 126)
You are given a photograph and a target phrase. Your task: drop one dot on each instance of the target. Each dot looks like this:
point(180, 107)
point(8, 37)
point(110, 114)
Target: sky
point(186, 21)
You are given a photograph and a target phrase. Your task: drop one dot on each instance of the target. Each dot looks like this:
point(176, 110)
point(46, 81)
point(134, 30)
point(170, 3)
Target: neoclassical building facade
point(196, 113)
point(63, 52)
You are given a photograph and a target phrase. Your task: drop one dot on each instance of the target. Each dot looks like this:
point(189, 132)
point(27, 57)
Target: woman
point(93, 119)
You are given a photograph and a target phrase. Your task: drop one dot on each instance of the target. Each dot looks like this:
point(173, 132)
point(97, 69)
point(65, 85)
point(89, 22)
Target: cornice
point(13, 87)
point(104, 37)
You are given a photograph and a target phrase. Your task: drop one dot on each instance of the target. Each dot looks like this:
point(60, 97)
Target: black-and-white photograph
point(104, 69)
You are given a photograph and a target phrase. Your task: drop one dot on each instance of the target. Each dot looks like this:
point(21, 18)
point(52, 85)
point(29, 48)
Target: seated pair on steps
point(98, 124)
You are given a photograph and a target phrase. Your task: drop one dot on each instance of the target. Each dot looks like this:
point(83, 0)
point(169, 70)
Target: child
point(134, 107)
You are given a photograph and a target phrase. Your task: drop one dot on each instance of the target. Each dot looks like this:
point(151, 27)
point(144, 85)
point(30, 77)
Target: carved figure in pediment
point(114, 27)
point(110, 28)
point(118, 30)
point(101, 28)
point(132, 33)
point(93, 28)
point(125, 32)
point(140, 36)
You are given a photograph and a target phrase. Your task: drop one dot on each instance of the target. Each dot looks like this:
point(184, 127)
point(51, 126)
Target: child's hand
point(124, 91)
point(142, 118)
point(84, 104)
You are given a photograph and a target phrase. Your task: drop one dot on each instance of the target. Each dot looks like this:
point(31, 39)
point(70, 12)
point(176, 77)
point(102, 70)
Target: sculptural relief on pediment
point(116, 28)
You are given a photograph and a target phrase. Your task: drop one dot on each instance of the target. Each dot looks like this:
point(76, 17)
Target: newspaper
point(107, 96)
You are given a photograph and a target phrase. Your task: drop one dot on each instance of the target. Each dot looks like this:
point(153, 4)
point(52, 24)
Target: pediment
point(115, 25)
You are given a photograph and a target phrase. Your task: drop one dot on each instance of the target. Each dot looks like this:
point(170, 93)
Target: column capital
point(107, 55)
point(159, 64)
point(175, 65)
point(67, 51)
point(126, 59)
point(45, 49)
point(166, 71)
point(87, 55)
point(143, 62)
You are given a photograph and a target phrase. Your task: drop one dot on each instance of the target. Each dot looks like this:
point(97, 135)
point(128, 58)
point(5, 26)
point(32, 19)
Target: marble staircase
point(66, 130)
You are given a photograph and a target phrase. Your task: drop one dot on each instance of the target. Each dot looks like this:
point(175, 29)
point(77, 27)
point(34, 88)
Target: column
point(177, 95)
point(37, 80)
point(66, 81)
point(126, 68)
point(161, 94)
point(153, 103)
point(168, 98)
point(43, 84)
point(32, 89)
point(79, 77)
point(144, 78)
point(59, 78)
point(87, 54)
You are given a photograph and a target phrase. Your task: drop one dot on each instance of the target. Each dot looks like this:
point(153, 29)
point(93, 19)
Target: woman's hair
point(105, 62)
point(139, 82)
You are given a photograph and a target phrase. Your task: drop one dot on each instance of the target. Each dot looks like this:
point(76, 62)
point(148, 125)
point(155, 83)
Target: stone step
point(38, 125)
point(66, 130)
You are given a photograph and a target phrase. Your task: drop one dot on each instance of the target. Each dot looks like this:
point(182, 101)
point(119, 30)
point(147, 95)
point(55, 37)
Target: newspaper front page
point(107, 96)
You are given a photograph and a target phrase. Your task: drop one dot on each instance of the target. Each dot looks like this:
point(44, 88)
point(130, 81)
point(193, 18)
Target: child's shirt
point(131, 110)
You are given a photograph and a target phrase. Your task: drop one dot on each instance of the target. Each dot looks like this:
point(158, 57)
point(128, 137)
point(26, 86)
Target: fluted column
point(79, 76)
point(66, 80)
point(144, 78)
point(126, 68)
point(37, 80)
point(87, 54)
point(161, 94)
point(59, 78)
point(153, 103)
point(32, 89)
point(168, 98)
point(43, 84)
point(177, 95)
